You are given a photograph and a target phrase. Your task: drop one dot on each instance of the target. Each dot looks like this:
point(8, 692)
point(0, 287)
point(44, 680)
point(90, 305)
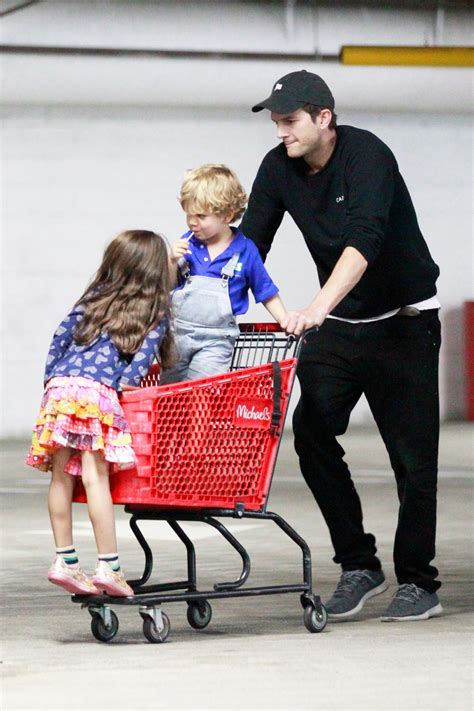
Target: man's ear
point(325, 116)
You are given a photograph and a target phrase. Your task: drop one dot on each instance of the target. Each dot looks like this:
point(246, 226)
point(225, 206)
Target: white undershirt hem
point(431, 303)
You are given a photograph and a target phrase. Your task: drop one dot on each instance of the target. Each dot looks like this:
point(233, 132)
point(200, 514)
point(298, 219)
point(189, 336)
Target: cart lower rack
point(206, 449)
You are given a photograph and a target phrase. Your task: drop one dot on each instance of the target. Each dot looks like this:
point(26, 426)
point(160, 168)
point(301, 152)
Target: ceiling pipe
point(290, 20)
point(21, 6)
point(439, 26)
point(163, 53)
point(383, 56)
point(371, 55)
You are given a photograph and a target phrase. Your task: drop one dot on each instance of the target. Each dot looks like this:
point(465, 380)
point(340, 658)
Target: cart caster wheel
point(152, 633)
point(199, 614)
point(315, 620)
point(100, 630)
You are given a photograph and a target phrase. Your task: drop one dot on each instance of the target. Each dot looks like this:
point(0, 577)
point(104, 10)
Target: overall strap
point(184, 268)
point(228, 269)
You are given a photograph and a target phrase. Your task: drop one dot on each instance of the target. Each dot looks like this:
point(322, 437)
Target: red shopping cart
point(206, 449)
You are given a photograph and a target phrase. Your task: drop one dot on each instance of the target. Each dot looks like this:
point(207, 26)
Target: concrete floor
point(256, 653)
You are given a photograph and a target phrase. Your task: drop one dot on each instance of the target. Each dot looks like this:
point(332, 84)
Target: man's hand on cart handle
point(346, 274)
point(296, 322)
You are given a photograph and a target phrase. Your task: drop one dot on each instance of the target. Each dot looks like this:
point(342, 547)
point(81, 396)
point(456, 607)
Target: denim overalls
point(205, 328)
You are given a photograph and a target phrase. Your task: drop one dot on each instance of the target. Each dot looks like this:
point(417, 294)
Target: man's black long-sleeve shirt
point(359, 199)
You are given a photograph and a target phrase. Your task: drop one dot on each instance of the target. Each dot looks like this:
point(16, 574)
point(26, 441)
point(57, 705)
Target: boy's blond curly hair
point(213, 188)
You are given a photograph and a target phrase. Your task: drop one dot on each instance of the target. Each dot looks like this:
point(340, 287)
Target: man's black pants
point(394, 362)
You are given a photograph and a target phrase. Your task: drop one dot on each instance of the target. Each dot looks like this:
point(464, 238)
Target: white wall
point(72, 177)
point(94, 145)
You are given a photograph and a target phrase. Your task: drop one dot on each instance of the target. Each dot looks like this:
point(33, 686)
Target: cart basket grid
point(213, 442)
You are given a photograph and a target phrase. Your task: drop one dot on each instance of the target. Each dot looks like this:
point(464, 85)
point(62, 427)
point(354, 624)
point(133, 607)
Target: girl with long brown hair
point(106, 344)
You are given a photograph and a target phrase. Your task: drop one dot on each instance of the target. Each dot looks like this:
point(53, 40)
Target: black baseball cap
point(294, 90)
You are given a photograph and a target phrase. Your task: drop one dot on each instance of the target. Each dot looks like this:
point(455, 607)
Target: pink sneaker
point(110, 581)
point(71, 577)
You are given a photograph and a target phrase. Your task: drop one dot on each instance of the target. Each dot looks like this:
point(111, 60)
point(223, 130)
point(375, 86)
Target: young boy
point(214, 265)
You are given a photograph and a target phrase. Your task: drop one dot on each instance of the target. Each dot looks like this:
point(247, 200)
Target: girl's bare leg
point(71, 577)
point(60, 499)
point(95, 477)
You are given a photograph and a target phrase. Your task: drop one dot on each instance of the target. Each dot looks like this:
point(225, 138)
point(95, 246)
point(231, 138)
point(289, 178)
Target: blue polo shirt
point(250, 272)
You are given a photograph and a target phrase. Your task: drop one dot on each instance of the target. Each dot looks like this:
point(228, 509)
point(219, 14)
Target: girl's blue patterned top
point(101, 360)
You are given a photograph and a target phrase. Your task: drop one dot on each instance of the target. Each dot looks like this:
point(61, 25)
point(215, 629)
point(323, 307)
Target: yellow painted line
point(408, 56)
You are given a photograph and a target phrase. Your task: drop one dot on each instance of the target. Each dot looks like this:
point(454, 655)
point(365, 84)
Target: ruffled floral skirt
point(84, 415)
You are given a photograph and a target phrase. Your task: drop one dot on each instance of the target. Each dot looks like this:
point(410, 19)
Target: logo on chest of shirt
point(340, 198)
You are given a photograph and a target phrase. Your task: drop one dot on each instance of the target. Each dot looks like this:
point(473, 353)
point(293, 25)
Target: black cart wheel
point(199, 614)
point(152, 633)
point(315, 620)
point(99, 628)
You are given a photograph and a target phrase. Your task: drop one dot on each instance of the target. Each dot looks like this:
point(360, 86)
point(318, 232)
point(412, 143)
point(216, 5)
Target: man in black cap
point(379, 334)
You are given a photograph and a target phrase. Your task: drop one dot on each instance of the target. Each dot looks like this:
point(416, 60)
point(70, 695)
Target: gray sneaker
point(412, 603)
point(353, 589)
